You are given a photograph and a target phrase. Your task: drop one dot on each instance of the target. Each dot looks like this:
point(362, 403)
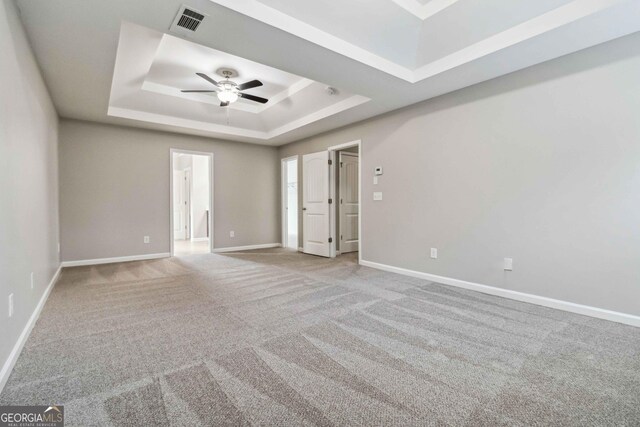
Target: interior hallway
point(189, 247)
point(282, 338)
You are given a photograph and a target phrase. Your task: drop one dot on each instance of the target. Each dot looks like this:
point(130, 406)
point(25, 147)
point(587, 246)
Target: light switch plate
point(375, 180)
point(434, 253)
point(146, 239)
point(508, 264)
point(377, 195)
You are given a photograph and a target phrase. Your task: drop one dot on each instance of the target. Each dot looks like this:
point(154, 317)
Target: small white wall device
point(378, 171)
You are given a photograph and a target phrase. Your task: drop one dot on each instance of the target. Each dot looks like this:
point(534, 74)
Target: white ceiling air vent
point(187, 21)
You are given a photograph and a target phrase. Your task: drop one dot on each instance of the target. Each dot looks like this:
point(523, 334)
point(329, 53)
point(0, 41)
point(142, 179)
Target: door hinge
point(341, 237)
point(340, 164)
point(340, 201)
point(330, 240)
point(330, 201)
point(330, 162)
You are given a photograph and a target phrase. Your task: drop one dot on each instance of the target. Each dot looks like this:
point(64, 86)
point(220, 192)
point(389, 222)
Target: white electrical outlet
point(377, 195)
point(508, 264)
point(10, 305)
point(146, 239)
point(434, 253)
point(232, 234)
point(32, 280)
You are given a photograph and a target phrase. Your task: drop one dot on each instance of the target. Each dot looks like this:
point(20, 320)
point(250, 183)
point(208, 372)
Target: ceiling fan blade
point(249, 85)
point(224, 104)
point(197, 91)
point(253, 98)
point(207, 78)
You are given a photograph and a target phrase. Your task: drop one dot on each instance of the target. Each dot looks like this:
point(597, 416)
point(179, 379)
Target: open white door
point(349, 207)
point(315, 203)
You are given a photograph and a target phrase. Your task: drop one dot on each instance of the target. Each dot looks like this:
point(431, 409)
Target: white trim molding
point(98, 261)
point(247, 248)
point(22, 339)
point(600, 313)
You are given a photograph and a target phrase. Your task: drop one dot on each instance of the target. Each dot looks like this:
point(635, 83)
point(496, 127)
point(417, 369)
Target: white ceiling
point(117, 62)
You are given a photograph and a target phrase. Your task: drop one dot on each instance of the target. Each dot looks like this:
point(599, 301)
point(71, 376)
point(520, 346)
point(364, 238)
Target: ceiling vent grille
point(187, 21)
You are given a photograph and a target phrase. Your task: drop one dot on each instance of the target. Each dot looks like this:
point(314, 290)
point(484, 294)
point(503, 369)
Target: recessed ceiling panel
point(469, 21)
point(378, 26)
point(153, 68)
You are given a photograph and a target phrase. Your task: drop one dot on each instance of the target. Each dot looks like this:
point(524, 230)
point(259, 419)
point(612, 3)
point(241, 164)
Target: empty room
point(289, 213)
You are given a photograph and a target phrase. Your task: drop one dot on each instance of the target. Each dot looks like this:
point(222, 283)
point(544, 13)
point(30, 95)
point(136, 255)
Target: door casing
point(210, 155)
point(332, 188)
point(285, 200)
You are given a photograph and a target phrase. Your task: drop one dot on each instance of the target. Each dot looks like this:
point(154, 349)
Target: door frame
point(332, 191)
point(172, 152)
point(188, 211)
point(285, 199)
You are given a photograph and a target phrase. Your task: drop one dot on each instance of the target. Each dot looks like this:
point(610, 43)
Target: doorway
point(290, 202)
point(348, 201)
point(191, 196)
point(331, 201)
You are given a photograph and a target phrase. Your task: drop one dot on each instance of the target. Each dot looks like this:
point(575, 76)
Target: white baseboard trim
point(115, 259)
point(247, 248)
point(586, 310)
point(199, 239)
point(22, 339)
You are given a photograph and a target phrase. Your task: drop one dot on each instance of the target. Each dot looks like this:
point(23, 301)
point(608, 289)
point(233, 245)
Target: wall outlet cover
point(232, 234)
point(10, 305)
point(377, 195)
point(434, 253)
point(146, 239)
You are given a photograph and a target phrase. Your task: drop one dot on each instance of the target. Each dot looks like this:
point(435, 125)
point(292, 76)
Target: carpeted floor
point(279, 338)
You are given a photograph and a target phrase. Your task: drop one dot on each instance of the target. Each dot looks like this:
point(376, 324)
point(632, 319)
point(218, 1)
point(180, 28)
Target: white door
point(349, 208)
point(181, 209)
point(315, 203)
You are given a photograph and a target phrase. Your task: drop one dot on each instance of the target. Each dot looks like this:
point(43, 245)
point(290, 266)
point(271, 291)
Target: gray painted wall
point(114, 189)
point(542, 165)
point(28, 180)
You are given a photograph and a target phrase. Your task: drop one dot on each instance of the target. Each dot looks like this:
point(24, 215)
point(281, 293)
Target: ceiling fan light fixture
point(228, 96)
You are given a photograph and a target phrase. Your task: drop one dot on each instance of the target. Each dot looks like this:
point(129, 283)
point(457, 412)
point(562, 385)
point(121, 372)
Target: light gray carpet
point(279, 338)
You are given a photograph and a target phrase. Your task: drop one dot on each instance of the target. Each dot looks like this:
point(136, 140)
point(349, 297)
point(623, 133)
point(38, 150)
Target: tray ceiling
point(119, 62)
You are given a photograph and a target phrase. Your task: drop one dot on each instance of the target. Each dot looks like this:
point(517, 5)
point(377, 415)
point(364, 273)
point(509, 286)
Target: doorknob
point(304, 209)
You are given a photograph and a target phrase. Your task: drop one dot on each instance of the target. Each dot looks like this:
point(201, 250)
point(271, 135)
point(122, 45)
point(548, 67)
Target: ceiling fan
point(228, 91)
